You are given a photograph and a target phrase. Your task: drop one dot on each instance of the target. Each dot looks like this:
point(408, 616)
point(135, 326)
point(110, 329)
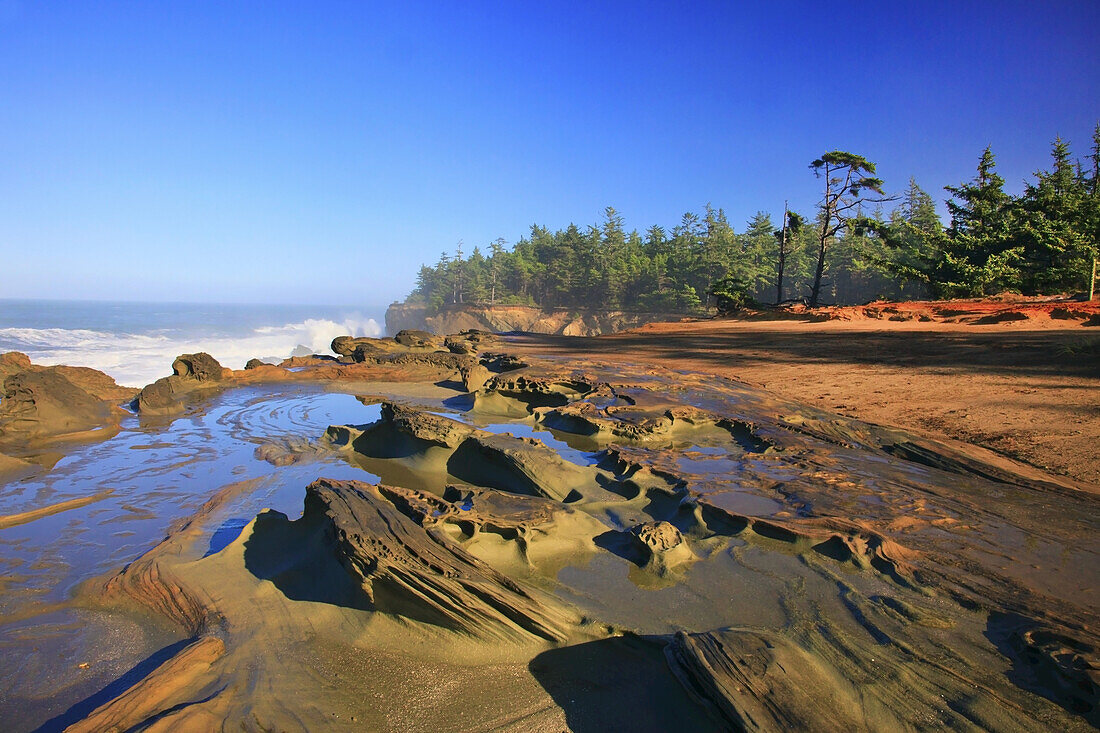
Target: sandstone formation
point(537, 535)
point(507, 318)
point(51, 402)
point(192, 374)
point(662, 546)
point(386, 539)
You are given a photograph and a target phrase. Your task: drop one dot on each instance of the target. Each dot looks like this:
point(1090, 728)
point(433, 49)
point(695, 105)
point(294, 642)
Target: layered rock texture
point(548, 546)
point(191, 374)
point(54, 403)
point(506, 318)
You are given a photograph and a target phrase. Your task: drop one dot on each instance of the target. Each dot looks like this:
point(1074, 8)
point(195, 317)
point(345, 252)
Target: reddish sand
point(1026, 384)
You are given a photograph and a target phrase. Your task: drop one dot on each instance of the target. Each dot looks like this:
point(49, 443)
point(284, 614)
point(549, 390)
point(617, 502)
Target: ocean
point(136, 342)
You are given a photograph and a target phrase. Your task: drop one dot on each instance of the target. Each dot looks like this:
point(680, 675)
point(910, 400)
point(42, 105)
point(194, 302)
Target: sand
point(613, 538)
point(1019, 388)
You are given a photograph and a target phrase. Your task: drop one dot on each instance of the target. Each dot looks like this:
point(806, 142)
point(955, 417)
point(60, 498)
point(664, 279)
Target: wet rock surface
point(747, 562)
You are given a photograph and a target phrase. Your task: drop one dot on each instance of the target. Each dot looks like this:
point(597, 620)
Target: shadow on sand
point(621, 683)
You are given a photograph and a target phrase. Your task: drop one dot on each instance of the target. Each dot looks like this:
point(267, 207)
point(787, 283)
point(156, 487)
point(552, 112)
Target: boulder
point(201, 367)
point(415, 339)
point(360, 348)
point(662, 546)
point(192, 372)
point(13, 362)
point(459, 345)
point(470, 341)
point(44, 403)
point(503, 362)
point(474, 377)
point(159, 398)
point(343, 345)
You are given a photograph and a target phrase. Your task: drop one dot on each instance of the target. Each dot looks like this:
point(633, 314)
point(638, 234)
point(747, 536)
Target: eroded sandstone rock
point(415, 339)
point(759, 681)
point(200, 366)
point(44, 403)
point(410, 569)
point(192, 373)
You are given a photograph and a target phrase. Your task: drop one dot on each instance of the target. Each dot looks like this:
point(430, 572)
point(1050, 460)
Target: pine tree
point(847, 176)
point(978, 255)
point(784, 239)
point(496, 257)
point(1052, 228)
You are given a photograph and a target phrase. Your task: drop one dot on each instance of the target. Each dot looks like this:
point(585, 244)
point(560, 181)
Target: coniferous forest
point(860, 244)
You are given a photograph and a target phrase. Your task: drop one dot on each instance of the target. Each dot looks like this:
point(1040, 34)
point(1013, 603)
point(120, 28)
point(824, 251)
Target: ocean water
point(136, 342)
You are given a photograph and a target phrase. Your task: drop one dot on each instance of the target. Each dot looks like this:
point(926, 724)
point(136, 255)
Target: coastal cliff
point(504, 318)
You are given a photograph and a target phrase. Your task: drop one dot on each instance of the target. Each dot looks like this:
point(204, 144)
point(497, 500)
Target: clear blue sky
point(320, 152)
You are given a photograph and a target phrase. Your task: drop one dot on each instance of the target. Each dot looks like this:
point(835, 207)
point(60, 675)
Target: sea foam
point(137, 359)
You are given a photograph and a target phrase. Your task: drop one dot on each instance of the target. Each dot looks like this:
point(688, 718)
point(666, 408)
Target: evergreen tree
point(496, 259)
point(846, 176)
point(752, 262)
point(1051, 233)
point(784, 237)
point(978, 256)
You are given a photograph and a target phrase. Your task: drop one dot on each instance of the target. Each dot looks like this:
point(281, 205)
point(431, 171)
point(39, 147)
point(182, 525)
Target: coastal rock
point(45, 403)
point(423, 427)
point(365, 348)
point(474, 377)
point(343, 345)
point(508, 318)
point(158, 398)
point(13, 362)
point(193, 373)
point(519, 392)
point(760, 681)
point(446, 448)
point(416, 339)
point(503, 362)
point(662, 546)
point(459, 345)
point(92, 381)
point(255, 363)
point(470, 341)
point(384, 538)
point(201, 367)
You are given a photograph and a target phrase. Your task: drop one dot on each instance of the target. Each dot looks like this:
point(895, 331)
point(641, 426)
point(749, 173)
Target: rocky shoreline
point(702, 552)
point(508, 318)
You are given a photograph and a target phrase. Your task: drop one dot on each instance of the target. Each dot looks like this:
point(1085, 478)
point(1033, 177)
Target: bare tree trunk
point(823, 240)
point(782, 259)
point(820, 270)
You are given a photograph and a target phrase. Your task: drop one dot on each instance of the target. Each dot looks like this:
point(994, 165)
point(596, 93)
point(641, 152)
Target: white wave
point(138, 359)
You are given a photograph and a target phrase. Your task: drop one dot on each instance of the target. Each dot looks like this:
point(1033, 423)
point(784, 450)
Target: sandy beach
point(1029, 390)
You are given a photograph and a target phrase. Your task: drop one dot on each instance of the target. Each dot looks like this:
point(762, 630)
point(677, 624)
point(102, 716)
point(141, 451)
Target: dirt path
point(1026, 389)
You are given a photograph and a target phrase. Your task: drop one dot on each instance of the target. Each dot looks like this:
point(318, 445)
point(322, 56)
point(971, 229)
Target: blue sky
point(320, 152)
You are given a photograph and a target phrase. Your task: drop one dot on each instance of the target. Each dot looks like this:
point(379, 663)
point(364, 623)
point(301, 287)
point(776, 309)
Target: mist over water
point(136, 342)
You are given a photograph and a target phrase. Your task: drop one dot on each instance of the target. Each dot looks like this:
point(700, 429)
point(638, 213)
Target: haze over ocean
point(136, 342)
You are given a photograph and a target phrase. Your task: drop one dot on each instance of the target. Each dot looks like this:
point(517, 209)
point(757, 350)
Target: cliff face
point(503, 318)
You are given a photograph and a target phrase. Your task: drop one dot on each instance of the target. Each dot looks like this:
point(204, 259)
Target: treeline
point(850, 250)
